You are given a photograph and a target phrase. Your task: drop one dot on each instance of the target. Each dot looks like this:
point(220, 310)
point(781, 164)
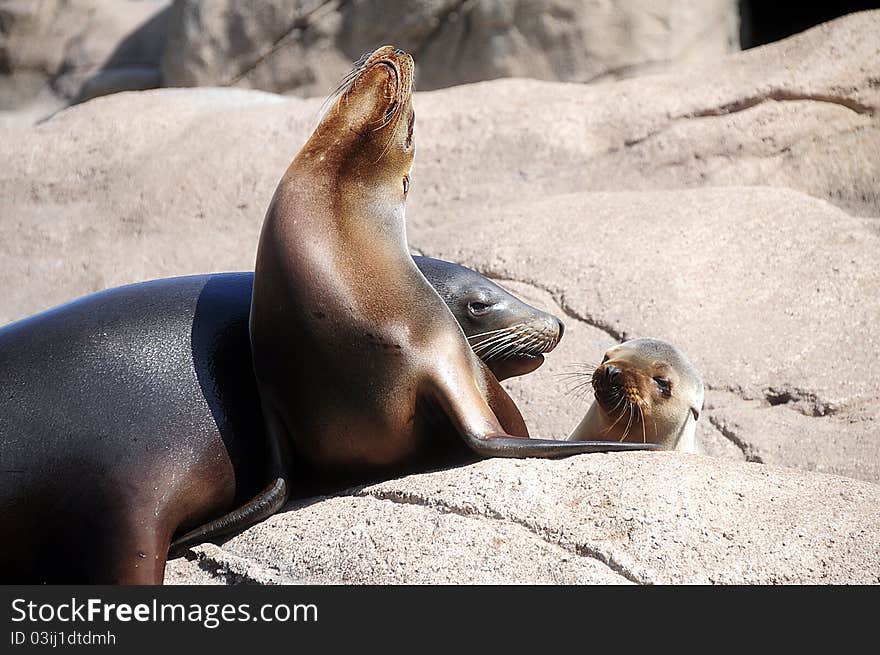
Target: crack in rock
point(581, 550)
point(736, 440)
point(804, 402)
point(777, 95)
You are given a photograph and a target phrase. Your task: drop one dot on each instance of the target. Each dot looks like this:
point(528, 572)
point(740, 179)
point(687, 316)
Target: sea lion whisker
point(493, 343)
point(522, 343)
point(642, 421)
point(482, 334)
point(580, 390)
point(619, 416)
point(490, 343)
point(580, 366)
point(573, 374)
point(503, 344)
point(628, 423)
point(503, 332)
point(501, 349)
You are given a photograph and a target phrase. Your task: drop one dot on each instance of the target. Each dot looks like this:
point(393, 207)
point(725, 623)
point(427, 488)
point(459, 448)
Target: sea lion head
point(648, 390)
point(510, 336)
point(369, 121)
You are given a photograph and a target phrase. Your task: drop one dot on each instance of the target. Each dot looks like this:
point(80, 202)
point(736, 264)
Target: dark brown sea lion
point(362, 370)
point(132, 415)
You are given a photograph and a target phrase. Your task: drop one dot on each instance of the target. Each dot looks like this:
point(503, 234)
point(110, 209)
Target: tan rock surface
point(593, 518)
point(731, 209)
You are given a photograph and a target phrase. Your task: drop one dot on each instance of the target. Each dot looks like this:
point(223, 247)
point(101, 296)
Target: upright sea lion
point(336, 290)
point(648, 391)
point(132, 415)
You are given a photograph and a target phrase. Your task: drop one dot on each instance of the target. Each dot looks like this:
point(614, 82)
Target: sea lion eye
point(663, 385)
point(478, 308)
point(405, 184)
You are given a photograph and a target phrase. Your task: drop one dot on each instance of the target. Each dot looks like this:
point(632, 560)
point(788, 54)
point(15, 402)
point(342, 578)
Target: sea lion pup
point(648, 391)
point(361, 368)
point(132, 414)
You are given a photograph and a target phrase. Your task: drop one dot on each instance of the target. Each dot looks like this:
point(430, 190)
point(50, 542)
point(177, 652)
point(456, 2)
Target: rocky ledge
point(731, 208)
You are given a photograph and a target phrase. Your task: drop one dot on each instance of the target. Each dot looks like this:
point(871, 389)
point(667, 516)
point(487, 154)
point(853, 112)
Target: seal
point(336, 290)
point(510, 336)
point(132, 415)
point(646, 390)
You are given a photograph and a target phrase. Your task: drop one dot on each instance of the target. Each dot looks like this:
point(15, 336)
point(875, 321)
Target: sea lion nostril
point(398, 51)
point(561, 329)
point(612, 373)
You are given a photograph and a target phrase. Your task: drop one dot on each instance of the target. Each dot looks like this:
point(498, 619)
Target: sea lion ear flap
point(696, 413)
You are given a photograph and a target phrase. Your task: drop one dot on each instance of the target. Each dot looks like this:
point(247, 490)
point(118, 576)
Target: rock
point(54, 52)
point(305, 47)
point(782, 435)
point(155, 171)
point(699, 276)
point(120, 49)
point(730, 208)
point(588, 519)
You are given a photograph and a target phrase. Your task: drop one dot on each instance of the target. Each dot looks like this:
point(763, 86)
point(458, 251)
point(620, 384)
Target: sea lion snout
point(613, 381)
point(612, 374)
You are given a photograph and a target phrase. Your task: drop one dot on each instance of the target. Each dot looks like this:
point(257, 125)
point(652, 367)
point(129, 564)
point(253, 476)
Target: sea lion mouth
point(392, 66)
point(520, 340)
point(395, 60)
point(401, 66)
point(617, 393)
point(612, 386)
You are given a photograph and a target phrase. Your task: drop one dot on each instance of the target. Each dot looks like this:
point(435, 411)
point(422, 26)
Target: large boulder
point(178, 180)
point(55, 52)
point(659, 518)
point(304, 47)
point(731, 208)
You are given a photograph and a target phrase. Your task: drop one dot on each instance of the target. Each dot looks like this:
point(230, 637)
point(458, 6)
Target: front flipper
point(481, 431)
point(504, 446)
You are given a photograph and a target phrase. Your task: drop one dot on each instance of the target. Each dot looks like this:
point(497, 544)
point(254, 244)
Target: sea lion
point(132, 415)
point(648, 391)
point(336, 290)
point(509, 335)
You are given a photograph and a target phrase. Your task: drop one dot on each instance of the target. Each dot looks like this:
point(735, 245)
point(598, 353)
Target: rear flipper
point(260, 507)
